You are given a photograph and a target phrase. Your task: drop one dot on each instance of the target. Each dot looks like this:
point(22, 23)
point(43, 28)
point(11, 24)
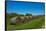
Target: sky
point(34, 8)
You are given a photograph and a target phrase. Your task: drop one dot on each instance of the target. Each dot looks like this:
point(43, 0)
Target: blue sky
point(33, 8)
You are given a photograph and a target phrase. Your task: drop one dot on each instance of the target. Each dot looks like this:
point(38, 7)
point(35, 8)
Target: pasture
point(35, 23)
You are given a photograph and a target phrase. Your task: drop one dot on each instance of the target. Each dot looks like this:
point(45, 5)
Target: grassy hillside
point(36, 23)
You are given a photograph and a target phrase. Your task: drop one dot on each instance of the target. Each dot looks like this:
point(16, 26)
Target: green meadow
point(37, 22)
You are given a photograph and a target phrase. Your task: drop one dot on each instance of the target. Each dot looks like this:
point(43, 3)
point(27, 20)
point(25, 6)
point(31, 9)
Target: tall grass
point(32, 24)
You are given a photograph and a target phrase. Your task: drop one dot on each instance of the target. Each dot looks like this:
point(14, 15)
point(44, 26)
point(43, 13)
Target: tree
point(28, 14)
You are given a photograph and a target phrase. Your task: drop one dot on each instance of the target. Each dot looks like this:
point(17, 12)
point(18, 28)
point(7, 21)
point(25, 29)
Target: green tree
point(28, 14)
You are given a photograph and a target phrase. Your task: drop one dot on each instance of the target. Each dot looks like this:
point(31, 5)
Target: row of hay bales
point(20, 19)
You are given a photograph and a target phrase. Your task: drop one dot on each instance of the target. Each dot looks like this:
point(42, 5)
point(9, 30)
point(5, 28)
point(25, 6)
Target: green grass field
point(33, 24)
